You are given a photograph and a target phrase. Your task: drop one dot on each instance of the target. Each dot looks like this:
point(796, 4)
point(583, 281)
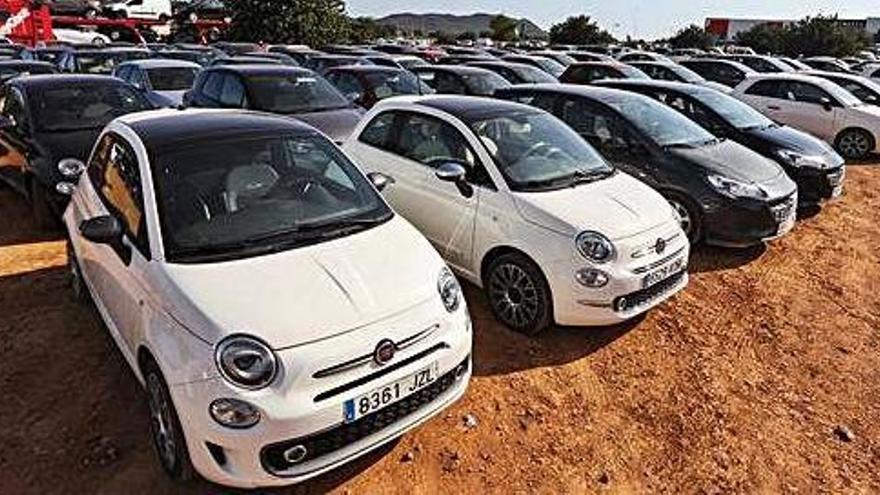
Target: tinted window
point(600, 127)
point(232, 94)
point(171, 78)
point(664, 126)
point(767, 88)
point(293, 93)
point(213, 85)
point(378, 131)
point(807, 93)
point(346, 83)
point(13, 107)
point(115, 175)
point(393, 83)
point(69, 108)
point(735, 112)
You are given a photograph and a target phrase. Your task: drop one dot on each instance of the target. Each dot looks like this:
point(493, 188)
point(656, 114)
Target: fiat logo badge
point(660, 246)
point(384, 352)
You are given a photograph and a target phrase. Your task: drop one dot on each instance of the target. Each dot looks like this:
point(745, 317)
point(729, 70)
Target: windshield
point(686, 74)
point(72, 108)
point(172, 78)
point(104, 63)
point(392, 83)
point(551, 66)
point(251, 195)
point(663, 125)
point(735, 112)
point(484, 83)
point(631, 72)
point(533, 74)
point(293, 93)
point(535, 151)
point(560, 57)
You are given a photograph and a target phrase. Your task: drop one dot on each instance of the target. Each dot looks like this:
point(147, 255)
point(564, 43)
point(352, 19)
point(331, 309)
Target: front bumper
point(746, 222)
point(816, 185)
point(307, 407)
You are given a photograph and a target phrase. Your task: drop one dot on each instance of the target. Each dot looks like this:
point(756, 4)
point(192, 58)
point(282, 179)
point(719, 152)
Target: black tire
point(854, 144)
point(691, 217)
point(165, 430)
point(44, 218)
point(518, 294)
point(80, 290)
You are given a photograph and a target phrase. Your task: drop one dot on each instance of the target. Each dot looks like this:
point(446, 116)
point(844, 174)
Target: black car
point(15, 68)
point(464, 59)
point(724, 193)
point(196, 10)
point(460, 80)
point(365, 85)
point(726, 72)
point(516, 73)
point(587, 72)
point(547, 64)
point(278, 89)
point(813, 165)
point(668, 71)
point(321, 63)
point(863, 88)
point(47, 120)
point(101, 61)
point(300, 53)
point(282, 58)
point(232, 49)
point(77, 8)
point(243, 60)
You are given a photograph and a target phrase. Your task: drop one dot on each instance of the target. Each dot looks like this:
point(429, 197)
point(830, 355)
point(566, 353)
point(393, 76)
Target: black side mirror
point(105, 229)
point(456, 174)
point(379, 180)
point(826, 104)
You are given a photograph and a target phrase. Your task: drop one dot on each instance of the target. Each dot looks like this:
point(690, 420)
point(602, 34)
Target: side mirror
point(826, 104)
point(379, 180)
point(456, 174)
point(871, 99)
point(353, 96)
point(105, 229)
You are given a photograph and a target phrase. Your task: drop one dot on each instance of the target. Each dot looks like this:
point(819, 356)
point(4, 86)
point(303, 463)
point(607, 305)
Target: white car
point(817, 106)
point(140, 9)
point(281, 317)
point(80, 37)
point(520, 205)
point(872, 71)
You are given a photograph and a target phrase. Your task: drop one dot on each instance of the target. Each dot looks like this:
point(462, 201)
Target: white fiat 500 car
point(281, 317)
point(522, 206)
point(817, 106)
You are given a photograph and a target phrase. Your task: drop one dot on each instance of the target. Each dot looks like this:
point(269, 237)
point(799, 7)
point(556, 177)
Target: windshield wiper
point(582, 177)
point(343, 223)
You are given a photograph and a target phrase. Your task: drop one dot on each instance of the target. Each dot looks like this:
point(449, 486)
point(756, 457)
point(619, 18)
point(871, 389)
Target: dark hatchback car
point(814, 166)
point(587, 72)
point(280, 89)
point(48, 125)
point(15, 68)
point(726, 72)
point(517, 73)
point(460, 80)
point(98, 61)
point(724, 193)
point(365, 85)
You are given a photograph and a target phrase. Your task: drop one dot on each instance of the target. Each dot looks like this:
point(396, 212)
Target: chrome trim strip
point(660, 262)
point(366, 358)
point(647, 249)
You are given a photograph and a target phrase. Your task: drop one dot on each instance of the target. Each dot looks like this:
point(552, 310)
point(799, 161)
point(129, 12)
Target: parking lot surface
point(763, 375)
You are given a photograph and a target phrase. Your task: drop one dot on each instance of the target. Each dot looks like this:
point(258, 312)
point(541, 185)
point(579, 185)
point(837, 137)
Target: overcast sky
point(640, 18)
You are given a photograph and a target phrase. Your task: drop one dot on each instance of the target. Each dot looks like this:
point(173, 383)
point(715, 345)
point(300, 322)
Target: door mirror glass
point(451, 172)
point(826, 104)
point(379, 180)
point(105, 229)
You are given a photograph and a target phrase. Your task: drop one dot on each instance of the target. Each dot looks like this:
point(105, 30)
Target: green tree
point(503, 28)
point(692, 36)
point(579, 30)
point(312, 22)
point(466, 36)
point(822, 35)
point(366, 29)
point(764, 38)
point(442, 37)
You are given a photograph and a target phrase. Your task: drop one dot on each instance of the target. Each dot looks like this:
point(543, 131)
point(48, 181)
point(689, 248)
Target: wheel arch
point(859, 129)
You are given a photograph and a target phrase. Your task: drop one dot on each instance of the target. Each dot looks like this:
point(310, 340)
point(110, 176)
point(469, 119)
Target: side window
point(13, 107)
point(449, 83)
point(856, 89)
point(347, 84)
point(428, 77)
point(124, 73)
point(213, 85)
point(766, 88)
point(115, 176)
point(232, 94)
point(378, 132)
point(807, 93)
point(601, 128)
point(875, 74)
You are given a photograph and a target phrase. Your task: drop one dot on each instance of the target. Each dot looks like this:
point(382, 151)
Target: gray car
point(162, 81)
point(277, 89)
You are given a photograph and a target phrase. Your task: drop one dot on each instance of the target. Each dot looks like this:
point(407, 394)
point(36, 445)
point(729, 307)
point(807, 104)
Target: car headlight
point(234, 413)
point(734, 188)
point(796, 159)
point(449, 290)
point(595, 247)
point(246, 362)
point(71, 168)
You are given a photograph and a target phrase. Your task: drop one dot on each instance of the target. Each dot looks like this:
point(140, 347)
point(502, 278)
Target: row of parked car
point(286, 289)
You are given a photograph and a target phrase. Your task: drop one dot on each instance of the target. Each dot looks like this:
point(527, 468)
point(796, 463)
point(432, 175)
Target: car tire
point(518, 294)
point(854, 144)
point(44, 218)
point(691, 218)
point(80, 290)
point(165, 430)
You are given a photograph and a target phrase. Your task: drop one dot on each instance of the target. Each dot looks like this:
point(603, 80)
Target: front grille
point(784, 209)
point(326, 442)
point(646, 296)
point(836, 177)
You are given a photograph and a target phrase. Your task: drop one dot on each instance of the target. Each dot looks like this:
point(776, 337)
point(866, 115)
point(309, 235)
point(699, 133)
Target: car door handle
point(773, 107)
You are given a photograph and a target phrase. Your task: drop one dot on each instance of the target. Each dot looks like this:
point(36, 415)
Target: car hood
point(784, 137)
point(731, 160)
point(617, 207)
point(336, 124)
point(68, 144)
point(311, 293)
point(869, 113)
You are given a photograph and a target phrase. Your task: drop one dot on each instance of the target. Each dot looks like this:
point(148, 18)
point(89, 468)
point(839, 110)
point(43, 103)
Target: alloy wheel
point(161, 422)
point(514, 295)
point(854, 144)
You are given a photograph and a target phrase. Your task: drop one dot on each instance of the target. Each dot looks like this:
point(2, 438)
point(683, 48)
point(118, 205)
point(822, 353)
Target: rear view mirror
point(379, 180)
point(456, 174)
point(105, 229)
point(826, 104)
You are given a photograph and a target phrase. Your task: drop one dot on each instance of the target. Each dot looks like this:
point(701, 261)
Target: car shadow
point(497, 350)
point(17, 226)
point(712, 258)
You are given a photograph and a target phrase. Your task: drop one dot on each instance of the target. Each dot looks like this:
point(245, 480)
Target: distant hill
point(454, 24)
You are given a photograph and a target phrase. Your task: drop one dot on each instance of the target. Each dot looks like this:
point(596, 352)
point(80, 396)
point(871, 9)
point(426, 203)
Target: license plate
point(837, 191)
point(663, 273)
point(376, 399)
point(788, 223)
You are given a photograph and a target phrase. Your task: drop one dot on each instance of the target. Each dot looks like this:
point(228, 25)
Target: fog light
point(234, 413)
point(296, 454)
point(65, 188)
point(591, 277)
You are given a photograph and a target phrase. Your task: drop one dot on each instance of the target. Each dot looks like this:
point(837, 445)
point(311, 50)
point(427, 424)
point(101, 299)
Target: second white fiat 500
point(282, 318)
point(522, 206)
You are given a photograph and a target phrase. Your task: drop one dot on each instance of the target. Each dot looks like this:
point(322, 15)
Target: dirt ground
point(763, 376)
